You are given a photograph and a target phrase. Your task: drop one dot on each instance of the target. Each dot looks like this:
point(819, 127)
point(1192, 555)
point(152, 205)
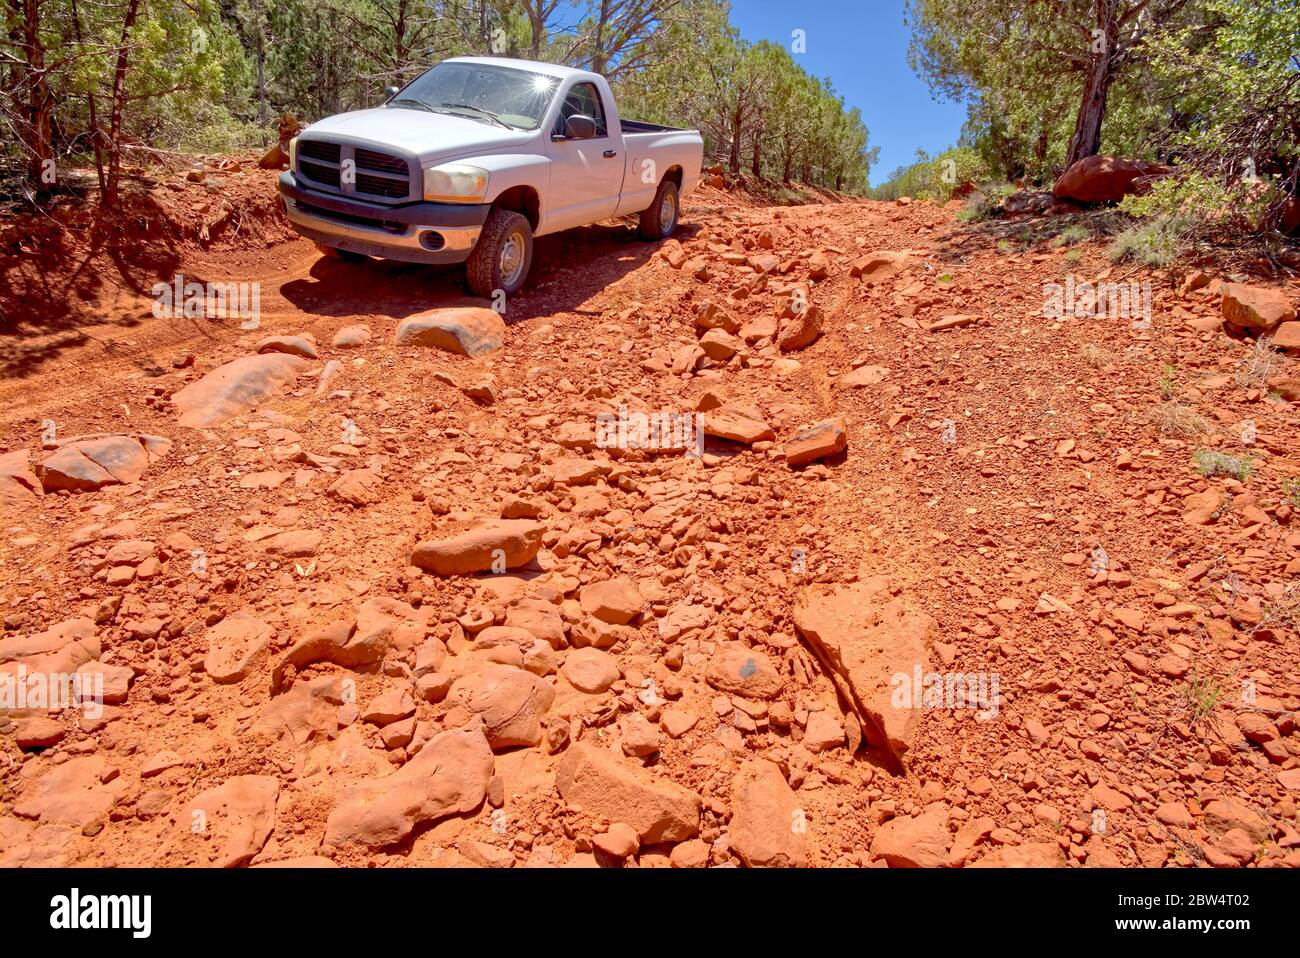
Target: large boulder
point(608, 788)
point(1254, 308)
point(227, 825)
point(768, 828)
point(490, 546)
point(449, 776)
point(87, 463)
point(469, 331)
point(233, 389)
point(865, 638)
point(510, 701)
point(19, 486)
point(1103, 179)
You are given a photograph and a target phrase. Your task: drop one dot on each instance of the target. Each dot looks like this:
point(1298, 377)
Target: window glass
point(583, 100)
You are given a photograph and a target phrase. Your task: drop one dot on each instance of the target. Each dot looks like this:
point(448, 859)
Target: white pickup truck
point(474, 158)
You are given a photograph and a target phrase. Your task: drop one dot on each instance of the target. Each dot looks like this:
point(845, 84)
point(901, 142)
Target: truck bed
point(636, 126)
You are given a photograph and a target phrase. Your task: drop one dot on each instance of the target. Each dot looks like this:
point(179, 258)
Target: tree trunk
point(756, 157)
point(737, 124)
point(37, 135)
point(118, 105)
point(1086, 140)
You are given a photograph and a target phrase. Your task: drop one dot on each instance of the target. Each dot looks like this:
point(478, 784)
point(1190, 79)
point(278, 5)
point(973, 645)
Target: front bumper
point(413, 233)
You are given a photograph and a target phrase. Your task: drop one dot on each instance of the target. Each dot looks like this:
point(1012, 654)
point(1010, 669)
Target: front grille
point(319, 150)
point(381, 162)
point(380, 186)
point(328, 175)
point(374, 173)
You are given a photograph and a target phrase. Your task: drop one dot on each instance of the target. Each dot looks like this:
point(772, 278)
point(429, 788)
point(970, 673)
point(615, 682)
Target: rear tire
point(502, 257)
point(660, 220)
point(341, 254)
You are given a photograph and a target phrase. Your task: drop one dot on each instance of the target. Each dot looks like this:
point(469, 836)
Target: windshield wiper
point(420, 103)
point(478, 109)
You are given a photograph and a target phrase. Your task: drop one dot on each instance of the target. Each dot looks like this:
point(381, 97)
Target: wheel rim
point(511, 262)
point(667, 212)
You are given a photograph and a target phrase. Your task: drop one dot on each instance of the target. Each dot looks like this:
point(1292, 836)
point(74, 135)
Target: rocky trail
point(371, 584)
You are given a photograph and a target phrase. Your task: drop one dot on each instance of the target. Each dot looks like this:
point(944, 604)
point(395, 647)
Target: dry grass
point(1175, 419)
point(1097, 356)
point(1260, 366)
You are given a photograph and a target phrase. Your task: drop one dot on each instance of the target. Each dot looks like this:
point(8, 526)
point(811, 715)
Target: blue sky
point(861, 45)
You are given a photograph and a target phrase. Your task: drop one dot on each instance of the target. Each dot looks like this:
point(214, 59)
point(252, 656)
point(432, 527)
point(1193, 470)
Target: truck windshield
point(490, 94)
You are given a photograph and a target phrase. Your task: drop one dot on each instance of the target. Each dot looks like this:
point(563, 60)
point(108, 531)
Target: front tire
point(502, 257)
point(660, 220)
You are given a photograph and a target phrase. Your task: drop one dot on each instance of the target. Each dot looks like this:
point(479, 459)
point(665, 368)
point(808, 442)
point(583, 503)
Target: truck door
point(587, 174)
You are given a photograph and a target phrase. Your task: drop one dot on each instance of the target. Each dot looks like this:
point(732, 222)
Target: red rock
point(865, 638)
point(920, 842)
point(590, 670)
point(38, 732)
point(882, 265)
point(768, 829)
point(801, 331)
point(616, 601)
point(736, 425)
point(620, 841)
point(1102, 179)
point(233, 389)
point(511, 702)
point(826, 438)
point(1287, 336)
point(740, 670)
point(607, 788)
point(304, 346)
point(235, 645)
point(73, 793)
point(227, 825)
point(87, 463)
point(501, 544)
point(1255, 308)
point(449, 776)
point(468, 331)
point(1029, 855)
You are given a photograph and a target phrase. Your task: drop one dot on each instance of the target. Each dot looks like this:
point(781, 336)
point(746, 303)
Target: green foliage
point(1156, 242)
point(1210, 463)
point(215, 75)
point(935, 178)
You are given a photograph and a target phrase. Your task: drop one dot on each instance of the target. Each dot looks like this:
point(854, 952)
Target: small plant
point(1097, 356)
point(1168, 382)
point(1201, 696)
point(1258, 367)
point(1073, 256)
point(1210, 463)
point(1157, 242)
point(1291, 489)
point(1175, 419)
point(1071, 235)
point(1006, 246)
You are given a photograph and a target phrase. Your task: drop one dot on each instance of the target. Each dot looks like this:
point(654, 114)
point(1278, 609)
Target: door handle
point(610, 154)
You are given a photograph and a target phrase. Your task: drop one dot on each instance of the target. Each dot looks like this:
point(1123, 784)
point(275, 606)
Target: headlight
point(293, 153)
point(455, 183)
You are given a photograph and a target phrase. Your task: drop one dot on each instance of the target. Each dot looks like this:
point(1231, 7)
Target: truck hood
point(428, 135)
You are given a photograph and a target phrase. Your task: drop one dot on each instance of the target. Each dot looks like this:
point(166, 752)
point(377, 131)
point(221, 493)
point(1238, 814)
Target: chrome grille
point(375, 174)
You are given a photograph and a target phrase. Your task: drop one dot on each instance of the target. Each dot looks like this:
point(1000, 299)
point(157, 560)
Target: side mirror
point(579, 127)
point(390, 92)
